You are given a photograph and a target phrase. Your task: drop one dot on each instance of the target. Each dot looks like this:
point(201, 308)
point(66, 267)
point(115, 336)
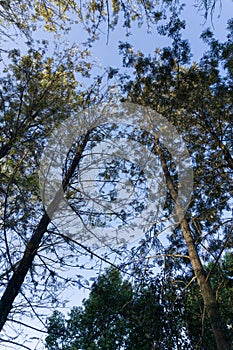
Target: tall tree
point(118, 315)
point(38, 92)
point(192, 99)
point(123, 315)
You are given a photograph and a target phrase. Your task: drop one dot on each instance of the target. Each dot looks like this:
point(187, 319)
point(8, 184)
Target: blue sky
point(107, 54)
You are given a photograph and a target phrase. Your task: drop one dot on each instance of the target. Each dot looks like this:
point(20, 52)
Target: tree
point(35, 93)
point(38, 92)
point(122, 315)
point(57, 16)
point(118, 315)
point(221, 283)
point(192, 99)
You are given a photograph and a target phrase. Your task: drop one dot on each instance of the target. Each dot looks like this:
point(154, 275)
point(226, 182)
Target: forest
point(116, 191)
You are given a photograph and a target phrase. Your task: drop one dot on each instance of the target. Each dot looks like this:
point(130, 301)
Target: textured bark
point(218, 327)
point(217, 324)
point(20, 272)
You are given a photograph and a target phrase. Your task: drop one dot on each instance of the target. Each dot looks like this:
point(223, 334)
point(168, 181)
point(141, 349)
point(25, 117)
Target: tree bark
point(20, 272)
point(218, 327)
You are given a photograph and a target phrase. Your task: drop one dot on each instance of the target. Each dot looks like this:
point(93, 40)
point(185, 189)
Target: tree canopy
point(75, 187)
point(120, 315)
point(57, 16)
point(117, 315)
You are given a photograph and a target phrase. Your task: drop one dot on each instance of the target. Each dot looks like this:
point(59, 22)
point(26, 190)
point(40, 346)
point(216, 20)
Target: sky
point(107, 55)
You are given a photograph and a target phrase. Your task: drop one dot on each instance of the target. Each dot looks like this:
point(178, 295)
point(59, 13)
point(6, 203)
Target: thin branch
point(166, 255)
point(220, 253)
point(186, 287)
point(15, 343)
point(92, 253)
point(27, 325)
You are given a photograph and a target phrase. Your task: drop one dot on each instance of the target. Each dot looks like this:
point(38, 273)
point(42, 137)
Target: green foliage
point(195, 317)
point(60, 15)
point(117, 315)
point(37, 92)
point(120, 315)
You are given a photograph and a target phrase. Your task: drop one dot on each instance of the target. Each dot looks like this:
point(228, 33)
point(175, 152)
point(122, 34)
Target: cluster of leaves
point(60, 15)
point(115, 316)
point(39, 92)
point(197, 99)
point(122, 315)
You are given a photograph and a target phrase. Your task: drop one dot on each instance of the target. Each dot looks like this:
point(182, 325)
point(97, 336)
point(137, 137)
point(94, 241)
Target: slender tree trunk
point(20, 272)
point(218, 327)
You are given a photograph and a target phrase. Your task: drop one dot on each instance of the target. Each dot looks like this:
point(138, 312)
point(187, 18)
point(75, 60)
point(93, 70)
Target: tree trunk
point(20, 272)
point(218, 327)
